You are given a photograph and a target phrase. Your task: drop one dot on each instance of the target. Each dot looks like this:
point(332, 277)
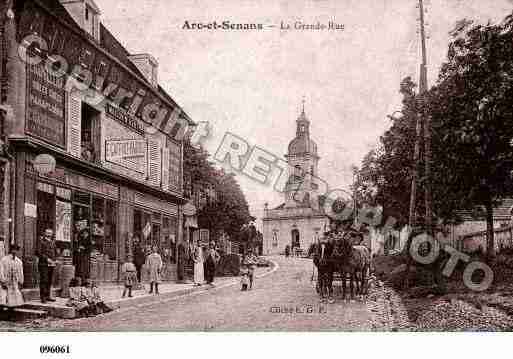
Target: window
point(90, 133)
point(87, 13)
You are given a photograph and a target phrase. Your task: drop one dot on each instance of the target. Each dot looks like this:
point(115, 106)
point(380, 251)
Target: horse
point(324, 263)
point(352, 260)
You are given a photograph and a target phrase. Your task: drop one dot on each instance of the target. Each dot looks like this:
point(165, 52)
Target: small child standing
point(129, 274)
point(244, 279)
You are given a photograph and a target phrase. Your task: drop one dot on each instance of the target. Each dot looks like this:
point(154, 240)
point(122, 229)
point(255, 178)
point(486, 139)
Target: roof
point(110, 44)
point(500, 212)
point(301, 145)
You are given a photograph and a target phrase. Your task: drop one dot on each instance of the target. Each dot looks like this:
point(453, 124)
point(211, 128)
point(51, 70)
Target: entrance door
point(295, 239)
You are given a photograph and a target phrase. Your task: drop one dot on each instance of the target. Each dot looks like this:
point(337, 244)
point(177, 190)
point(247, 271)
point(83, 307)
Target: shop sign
point(130, 154)
point(45, 105)
point(124, 118)
point(62, 221)
point(78, 51)
point(30, 210)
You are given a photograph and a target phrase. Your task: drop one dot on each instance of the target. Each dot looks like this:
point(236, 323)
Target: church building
point(299, 221)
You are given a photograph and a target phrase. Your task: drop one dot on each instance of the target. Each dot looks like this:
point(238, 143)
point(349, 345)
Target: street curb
point(147, 300)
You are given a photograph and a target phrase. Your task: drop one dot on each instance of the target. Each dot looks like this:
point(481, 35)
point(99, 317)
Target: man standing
point(46, 252)
point(139, 257)
point(211, 263)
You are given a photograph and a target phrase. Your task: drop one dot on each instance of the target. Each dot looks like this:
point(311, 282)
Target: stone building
point(299, 221)
point(79, 98)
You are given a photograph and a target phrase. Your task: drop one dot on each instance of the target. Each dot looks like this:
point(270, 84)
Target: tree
point(385, 175)
point(225, 208)
point(472, 118)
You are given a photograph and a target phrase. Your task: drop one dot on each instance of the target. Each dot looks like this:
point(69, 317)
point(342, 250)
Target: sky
point(251, 83)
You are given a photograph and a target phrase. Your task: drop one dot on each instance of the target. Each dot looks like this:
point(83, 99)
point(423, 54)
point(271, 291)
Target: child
point(244, 279)
point(154, 265)
point(77, 298)
point(94, 300)
point(130, 275)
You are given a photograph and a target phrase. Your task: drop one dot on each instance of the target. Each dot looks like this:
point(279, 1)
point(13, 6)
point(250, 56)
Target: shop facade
point(115, 176)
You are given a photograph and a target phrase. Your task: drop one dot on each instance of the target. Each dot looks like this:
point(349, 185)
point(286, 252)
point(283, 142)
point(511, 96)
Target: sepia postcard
point(255, 166)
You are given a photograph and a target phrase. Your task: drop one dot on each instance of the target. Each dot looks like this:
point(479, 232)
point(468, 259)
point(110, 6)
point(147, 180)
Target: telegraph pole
point(422, 119)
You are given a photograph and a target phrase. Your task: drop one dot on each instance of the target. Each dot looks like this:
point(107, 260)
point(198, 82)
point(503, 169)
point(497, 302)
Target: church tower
point(302, 162)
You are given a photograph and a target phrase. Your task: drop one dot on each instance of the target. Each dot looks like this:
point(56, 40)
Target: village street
point(266, 307)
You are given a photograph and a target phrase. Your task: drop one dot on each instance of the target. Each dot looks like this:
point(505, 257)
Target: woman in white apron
point(198, 265)
point(11, 279)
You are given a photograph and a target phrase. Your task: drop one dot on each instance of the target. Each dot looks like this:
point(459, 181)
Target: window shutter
point(74, 125)
point(154, 163)
point(165, 168)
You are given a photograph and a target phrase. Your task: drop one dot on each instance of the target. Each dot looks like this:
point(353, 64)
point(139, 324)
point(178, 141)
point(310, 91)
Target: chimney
point(148, 66)
point(86, 14)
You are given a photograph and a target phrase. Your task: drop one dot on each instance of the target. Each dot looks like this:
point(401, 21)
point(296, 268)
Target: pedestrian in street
point(250, 262)
point(11, 278)
point(287, 251)
point(154, 265)
point(46, 253)
point(211, 263)
point(199, 277)
point(139, 257)
point(129, 273)
point(244, 277)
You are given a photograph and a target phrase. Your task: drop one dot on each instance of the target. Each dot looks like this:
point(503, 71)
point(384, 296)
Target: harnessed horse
point(323, 260)
point(352, 260)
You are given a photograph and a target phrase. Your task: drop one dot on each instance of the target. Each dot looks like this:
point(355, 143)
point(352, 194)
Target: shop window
point(98, 224)
point(103, 227)
point(89, 138)
point(109, 245)
point(143, 228)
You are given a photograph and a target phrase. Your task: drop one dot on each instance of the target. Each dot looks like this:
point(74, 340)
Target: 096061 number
point(54, 349)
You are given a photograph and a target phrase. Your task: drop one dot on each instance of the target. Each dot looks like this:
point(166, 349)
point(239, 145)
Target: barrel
point(67, 273)
point(93, 268)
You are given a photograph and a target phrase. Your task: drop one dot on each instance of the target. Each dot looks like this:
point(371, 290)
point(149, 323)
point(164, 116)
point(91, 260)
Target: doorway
point(295, 240)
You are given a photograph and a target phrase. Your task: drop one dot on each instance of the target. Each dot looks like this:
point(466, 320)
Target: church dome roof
point(302, 144)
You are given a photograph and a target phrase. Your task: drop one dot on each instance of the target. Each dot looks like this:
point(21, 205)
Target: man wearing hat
point(46, 253)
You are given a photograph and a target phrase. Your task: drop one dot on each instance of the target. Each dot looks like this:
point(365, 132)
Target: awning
point(191, 221)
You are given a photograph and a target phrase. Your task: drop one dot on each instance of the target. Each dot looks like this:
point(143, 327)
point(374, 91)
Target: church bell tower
point(302, 162)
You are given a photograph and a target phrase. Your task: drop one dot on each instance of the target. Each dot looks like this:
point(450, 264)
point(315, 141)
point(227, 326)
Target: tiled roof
point(108, 42)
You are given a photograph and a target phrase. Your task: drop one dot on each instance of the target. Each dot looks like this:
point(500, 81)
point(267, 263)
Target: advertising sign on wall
point(62, 221)
point(130, 154)
point(45, 117)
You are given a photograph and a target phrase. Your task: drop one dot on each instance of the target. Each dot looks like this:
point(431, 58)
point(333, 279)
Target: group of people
point(131, 270)
point(86, 299)
point(205, 261)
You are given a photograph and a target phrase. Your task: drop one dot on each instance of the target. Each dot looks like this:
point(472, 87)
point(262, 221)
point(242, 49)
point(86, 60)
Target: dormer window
point(86, 14)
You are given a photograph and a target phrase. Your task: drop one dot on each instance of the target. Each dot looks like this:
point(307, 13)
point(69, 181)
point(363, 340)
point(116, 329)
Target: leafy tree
point(226, 209)
point(471, 108)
